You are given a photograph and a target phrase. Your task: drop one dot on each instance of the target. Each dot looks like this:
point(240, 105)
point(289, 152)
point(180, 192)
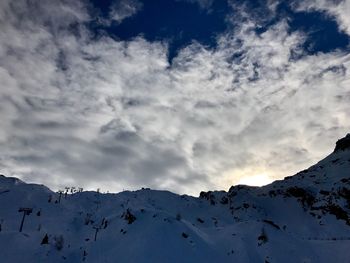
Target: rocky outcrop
point(343, 144)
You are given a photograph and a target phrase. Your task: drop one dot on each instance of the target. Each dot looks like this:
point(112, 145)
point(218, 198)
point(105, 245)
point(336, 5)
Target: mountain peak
point(343, 144)
point(309, 211)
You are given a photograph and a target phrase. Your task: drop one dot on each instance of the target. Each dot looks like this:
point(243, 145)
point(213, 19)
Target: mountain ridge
point(302, 218)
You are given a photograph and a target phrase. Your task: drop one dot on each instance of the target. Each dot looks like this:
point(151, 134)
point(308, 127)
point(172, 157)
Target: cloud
point(97, 112)
point(339, 9)
point(122, 9)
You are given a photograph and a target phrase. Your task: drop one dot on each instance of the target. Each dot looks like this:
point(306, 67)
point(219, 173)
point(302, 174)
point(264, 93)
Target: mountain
point(303, 218)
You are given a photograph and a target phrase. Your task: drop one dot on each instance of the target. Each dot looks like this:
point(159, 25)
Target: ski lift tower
point(26, 211)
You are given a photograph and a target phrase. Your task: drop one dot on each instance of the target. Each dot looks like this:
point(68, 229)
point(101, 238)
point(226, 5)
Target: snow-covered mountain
point(303, 218)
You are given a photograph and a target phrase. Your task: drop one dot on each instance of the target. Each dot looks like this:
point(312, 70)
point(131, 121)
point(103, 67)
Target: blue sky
point(176, 22)
point(181, 22)
point(184, 95)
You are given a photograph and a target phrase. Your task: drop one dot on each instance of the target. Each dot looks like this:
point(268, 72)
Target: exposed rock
point(272, 224)
point(304, 196)
point(208, 196)
point(45, 240)
point(343, 144)
point(129, 217)
point(200, 220)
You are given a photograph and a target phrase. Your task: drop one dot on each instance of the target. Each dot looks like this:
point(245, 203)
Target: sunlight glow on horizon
point(256, 180)
point(252, 176)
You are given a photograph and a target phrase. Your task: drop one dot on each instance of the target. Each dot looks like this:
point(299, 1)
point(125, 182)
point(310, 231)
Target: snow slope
point(303, 218)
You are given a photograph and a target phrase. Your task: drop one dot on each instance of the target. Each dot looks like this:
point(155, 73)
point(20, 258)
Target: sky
point(181, 95)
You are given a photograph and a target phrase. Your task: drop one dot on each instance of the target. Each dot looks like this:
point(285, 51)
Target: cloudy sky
point(184, 95)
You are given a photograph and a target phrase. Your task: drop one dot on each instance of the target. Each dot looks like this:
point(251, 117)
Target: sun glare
point(256, 180)
point(247, 176)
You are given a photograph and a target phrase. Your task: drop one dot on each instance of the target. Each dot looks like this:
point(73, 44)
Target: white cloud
point(115, 114)
point(122, 9)
point(339, 9)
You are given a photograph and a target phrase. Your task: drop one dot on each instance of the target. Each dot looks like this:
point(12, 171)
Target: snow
point(304, 217)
